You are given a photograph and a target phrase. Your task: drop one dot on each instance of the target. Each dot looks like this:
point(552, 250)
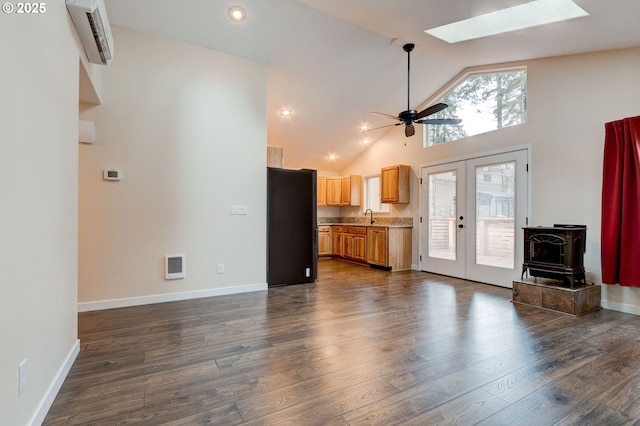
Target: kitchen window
point(372, 195)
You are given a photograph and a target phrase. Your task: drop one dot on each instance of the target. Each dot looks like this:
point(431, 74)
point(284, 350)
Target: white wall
point(569, 100)
point(38, 214)
point(187, 127)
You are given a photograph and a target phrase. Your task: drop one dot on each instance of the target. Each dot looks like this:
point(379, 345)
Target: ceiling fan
point(411, 116)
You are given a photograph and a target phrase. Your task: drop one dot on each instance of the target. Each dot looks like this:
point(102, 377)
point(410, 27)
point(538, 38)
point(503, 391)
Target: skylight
point(532, 14)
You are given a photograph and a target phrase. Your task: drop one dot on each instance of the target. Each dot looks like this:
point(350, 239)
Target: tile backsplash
point(365, 220)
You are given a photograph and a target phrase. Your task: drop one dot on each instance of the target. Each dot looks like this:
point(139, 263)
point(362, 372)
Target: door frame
point(422, 214)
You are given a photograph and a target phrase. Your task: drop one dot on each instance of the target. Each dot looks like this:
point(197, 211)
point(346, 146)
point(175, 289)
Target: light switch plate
point(239, 209)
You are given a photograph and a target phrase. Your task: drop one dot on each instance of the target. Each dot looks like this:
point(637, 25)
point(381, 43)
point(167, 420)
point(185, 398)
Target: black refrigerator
point(292, 229)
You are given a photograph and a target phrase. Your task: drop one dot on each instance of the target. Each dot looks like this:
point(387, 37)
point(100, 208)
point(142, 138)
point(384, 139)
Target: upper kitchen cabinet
point(321, 191)
point(334, 191)
point(342, 191)
point(394, 184)
point(351, 190)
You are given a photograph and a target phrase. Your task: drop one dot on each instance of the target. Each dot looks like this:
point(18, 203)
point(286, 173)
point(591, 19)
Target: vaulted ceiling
point(335, 61)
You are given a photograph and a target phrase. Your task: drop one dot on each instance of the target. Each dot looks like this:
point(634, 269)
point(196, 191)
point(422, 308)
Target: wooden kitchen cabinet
point(377, 242)
point(385, 247)
point(360, 248)
point(343, 191)
point(321, 191)
point(324, 241)
point(336, 240)
point(389, 248)
point(351, 190)
point(354, 243)
point(395, 184)
point(334, 191)
point(347, 246)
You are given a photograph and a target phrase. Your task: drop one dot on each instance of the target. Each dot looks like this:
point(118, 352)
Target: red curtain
point(620, 237)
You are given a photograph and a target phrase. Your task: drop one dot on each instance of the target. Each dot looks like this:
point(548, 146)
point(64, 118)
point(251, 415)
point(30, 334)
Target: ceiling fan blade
point(382, 114)
point(381, 127)
point(409, 130)
point(439, 121)
point(431, 110)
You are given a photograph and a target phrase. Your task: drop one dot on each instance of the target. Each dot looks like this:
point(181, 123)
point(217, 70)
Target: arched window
point(485, 101)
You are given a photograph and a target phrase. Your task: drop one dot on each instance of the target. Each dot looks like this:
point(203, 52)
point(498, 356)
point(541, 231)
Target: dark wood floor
point(358, 347)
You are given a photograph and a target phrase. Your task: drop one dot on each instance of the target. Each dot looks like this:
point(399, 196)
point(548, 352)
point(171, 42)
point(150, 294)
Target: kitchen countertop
point(379, 221)
point(375, 225)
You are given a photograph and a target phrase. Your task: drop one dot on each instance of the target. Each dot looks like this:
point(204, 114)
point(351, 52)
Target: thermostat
point(112, 174)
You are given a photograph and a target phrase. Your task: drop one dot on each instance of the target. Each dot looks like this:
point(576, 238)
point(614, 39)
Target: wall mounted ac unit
point(91, 21)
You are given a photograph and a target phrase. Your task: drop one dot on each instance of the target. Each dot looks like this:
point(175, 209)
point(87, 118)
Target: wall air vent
point(174, 266)
point(92, 24)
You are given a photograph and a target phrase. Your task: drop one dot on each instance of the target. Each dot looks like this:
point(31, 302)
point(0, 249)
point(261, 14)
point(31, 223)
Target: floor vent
point(174, 266)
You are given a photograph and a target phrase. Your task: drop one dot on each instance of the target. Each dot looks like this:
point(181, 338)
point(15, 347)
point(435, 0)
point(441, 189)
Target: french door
point(472, 215)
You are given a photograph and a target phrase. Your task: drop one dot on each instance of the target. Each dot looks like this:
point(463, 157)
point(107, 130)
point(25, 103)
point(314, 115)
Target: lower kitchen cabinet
point(377, 242)
point(389, 248)
point(354, 243)
point(360, 248)
point(386, 247)
point(336, 240)
point(324, 241)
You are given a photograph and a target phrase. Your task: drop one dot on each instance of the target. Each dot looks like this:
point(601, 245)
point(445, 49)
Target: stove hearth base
point(555, 296)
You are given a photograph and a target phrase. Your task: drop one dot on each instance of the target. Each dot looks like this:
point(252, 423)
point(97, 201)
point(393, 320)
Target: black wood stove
point(555, 252)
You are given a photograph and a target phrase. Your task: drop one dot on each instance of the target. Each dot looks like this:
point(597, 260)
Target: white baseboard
point(415, 267)
point(169, 297)
point(620, 307)
point(54, 387)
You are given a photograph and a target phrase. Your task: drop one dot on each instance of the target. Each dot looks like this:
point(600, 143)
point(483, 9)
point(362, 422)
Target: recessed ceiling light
point(285, 112)
point(365, 141)
point(332, 157)
point(532, 14)
point(364, 127)
point(237, 13)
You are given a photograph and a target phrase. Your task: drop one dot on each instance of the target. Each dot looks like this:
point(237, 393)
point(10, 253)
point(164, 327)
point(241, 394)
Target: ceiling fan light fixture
point(237, 13)
point(410, 116)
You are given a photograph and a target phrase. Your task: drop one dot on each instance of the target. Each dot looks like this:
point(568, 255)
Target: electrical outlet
point(22, 376)
point(308, 272)
point(221, 268)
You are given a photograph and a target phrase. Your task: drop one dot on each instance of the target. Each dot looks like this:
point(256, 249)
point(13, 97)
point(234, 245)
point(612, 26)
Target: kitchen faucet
point(369, 210)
